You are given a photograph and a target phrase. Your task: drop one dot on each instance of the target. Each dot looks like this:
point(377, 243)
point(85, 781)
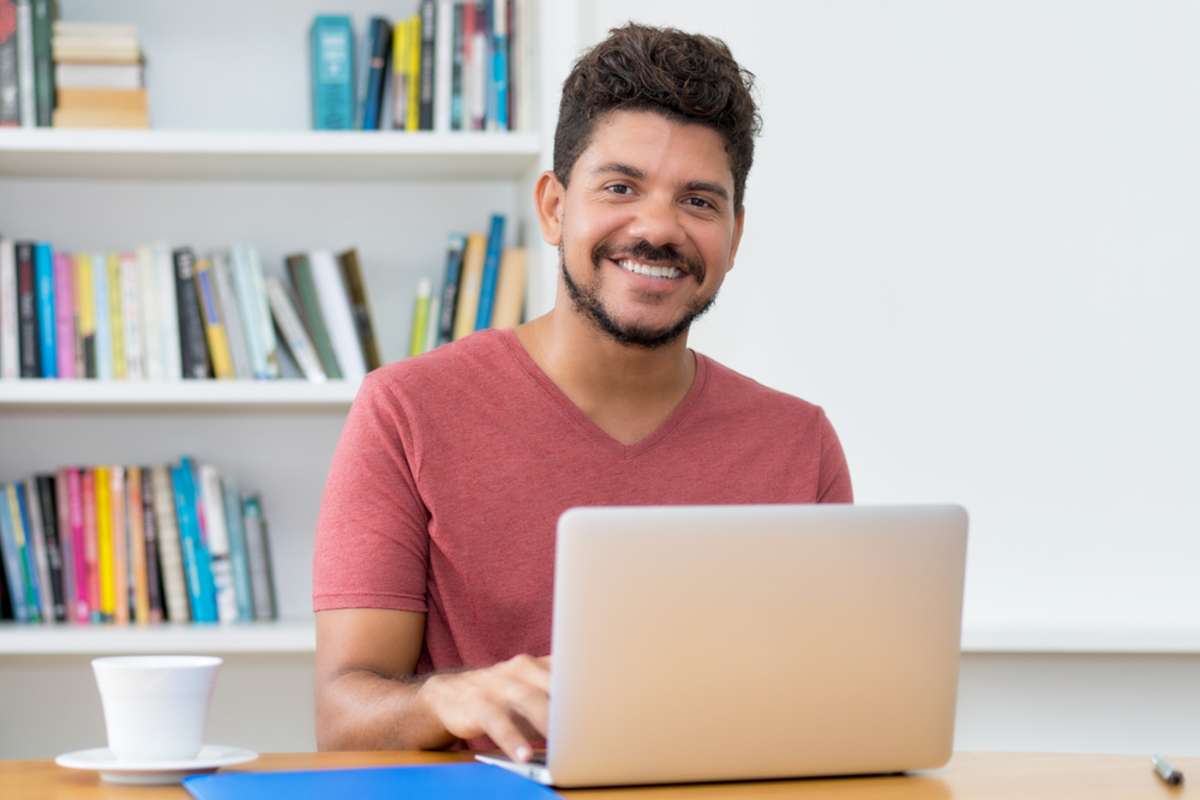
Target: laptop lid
point(738, 642)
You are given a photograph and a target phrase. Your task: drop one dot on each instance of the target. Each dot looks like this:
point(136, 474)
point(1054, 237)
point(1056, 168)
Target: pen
point(1170, 775)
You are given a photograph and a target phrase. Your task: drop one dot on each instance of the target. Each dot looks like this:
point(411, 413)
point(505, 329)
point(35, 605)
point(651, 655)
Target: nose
point(657, 221)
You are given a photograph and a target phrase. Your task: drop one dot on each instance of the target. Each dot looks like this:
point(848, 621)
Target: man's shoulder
point(733, 392)
point(474, 357)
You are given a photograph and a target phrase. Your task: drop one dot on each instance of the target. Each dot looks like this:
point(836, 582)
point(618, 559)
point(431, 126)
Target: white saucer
point(210, 758)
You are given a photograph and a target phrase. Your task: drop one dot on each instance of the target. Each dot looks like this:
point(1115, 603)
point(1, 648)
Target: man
point(434, 555)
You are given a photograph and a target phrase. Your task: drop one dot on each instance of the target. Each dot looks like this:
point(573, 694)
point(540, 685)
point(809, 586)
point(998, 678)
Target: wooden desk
point(971, 776)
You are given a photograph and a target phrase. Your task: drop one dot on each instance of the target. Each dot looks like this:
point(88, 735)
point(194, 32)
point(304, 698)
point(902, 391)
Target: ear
point(549, 197)
point(739, 223)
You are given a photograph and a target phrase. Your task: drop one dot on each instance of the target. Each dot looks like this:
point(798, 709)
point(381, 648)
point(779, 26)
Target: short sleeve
point(372, 541)
point(833, 483)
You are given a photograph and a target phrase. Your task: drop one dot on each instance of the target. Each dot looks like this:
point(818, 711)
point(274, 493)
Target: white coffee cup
point(155, 707)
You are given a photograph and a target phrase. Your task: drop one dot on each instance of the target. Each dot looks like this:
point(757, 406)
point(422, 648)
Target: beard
point(588, 303)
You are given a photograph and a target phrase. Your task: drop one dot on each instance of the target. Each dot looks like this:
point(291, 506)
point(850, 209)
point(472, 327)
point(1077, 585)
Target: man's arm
point(369, 699)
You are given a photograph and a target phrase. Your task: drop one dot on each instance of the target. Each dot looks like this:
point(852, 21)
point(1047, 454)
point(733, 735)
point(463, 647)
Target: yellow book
point(139, 578)
point(104, 545)
point(399, 75)
point(115, 317)
point(214, 327)
point(510, 289)
point(120, 545)
point(412, 121)
point(470, 281)
point(85, 310)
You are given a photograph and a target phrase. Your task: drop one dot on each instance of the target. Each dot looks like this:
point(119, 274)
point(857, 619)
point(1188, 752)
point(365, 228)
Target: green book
point(310, 309)
point(44, 13)
point(420, 320)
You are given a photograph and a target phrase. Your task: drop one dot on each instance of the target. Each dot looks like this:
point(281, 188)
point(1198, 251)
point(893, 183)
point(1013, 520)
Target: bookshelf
point(178, 395)
point(282, 636)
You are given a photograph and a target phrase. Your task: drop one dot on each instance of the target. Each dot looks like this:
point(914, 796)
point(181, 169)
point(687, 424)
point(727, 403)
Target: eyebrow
point(630, 171)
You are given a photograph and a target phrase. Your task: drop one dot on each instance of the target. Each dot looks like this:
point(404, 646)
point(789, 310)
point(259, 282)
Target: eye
point(700, 202)
point(612, 187)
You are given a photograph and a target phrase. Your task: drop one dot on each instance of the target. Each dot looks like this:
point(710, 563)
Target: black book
point(378, 67)
point(193, 348)
point(150, 528)
point(428, 38)
point(48, 500)
point(454, 261)
point(6, 608)
point(31, 362)
point(456, 72)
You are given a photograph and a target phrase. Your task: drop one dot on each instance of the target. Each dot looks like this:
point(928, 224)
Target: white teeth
point(651, 271)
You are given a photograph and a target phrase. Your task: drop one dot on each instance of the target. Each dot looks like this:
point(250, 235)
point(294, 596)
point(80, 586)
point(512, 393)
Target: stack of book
point(456, 65)
point(159, 313)
point(128, 544)
point(483, 287)
point(99, 76)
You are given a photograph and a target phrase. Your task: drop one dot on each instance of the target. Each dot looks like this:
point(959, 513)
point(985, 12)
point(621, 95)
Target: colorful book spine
point(233, 323)
point(120, 544)
point(247, 302)
point(91, 542)
point(491, 273)
point(412, 117)
point(469, 283)
point(510, 290)
point(139, 576)
point(47, 320)
point(105, 565)
point(266, 332)
point(27, 311)
point(29, 573)
point(379, 57)
point(55, 601)
point(420, 317)
point(85, 308)
point(116, 315)
point(214, 326)
point(64, 311)
point(456, 74)
point(212, 495)
point(131, 314)
point(500, 64)
point(193, 344)
point(10, 351)
point(104, 327)
point(15, 583)
point(81, 605)
point(331, 42)
point(454, 260)
point(356, 288)
point(198, 571)
point(154, 595)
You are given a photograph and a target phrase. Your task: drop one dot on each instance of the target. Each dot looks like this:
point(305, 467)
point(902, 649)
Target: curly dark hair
point(685, 77)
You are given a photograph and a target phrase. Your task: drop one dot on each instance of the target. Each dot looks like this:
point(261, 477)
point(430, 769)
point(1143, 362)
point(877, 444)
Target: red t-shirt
point(453, 468)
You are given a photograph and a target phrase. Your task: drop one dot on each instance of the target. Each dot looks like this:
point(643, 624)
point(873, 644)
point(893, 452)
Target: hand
point(509, 702)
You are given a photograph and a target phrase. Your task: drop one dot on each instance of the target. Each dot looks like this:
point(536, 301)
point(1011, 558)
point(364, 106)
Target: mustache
point(642, 250)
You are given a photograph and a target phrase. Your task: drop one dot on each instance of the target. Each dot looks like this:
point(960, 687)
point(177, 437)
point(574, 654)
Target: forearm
point(362, 710)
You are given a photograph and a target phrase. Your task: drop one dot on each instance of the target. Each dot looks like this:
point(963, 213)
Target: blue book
point(12, 558)
point(197, 569)
point(237, 551)
point(491, 272)
point(443, 781)
point(380, 43)
point(43, 266)
point(500, 67)
point(33, 594)
point(104, 347)
point(331, 43)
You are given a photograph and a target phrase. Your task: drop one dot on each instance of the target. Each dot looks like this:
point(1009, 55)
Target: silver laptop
point(717, 643)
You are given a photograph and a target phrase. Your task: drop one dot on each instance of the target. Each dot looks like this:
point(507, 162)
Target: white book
point(151, 326)
point(131, 316)
point(431, 327)
point(524, 56)
point(336, 309)
point(25, 63)
point(243, 287)
point(443, 50)
point(170, 558)
point(294, 333)
point(266, 330)
point(213, 498)
point(10, 366)
point(235, 325)
point(98, 76)
point(481, 68)
point(168, 313)
point(103, 30)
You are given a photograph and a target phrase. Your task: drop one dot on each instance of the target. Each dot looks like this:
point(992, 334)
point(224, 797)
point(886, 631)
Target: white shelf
point(285, 636)
point(1092, 636)
point(266, 155)
point(167, 395)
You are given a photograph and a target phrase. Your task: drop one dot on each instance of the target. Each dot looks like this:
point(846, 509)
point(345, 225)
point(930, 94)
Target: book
point(444, 54)
point(100, 118)
point(81, 603)
point(456, 69)
point(510, 291)
point(98, 98)
point(85, 308)
point(105, 369)
point(197, 569)
point(47, 320)
point(131, 315)
point(248, 296)
point(292, 330)
point(10, 329)
point(6, 607)
point(258, 551)
point(431, 324)
point(14, 581)
point(400, 82)
point(214, 324)
point(243, 590)
point(491, 273)
point(336, 311)
point(499, 120)
point(235, 325)
point(149, 298)
point(412, 116)
point(469, 283)
point(455, 247)
point(64, 312)
point(24, 537)
point(94, 75)
point(138, 564)
point(193, 343)
point(28, 335)
point(35, 534)
point(120, 544)
point(105, 565)
point(43, 72)
point(60, 487)
point(154, 590)
point(116, 313)
point(91, 541)
point(378, 63)
point(25, 65)
point(420, 317)
point(168, 311)
point(54, 606)
point(300, 271)
point(356, 288)
point(266, 333)
point(480, 60)
point(427, 11)
point(171, 564)
point(213, 497)
point(10, 101)
point(331, 42)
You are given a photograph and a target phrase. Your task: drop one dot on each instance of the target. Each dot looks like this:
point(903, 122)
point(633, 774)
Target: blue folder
point(448, 781)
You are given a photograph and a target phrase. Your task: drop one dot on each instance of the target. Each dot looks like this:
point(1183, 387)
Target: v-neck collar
point(559, 399)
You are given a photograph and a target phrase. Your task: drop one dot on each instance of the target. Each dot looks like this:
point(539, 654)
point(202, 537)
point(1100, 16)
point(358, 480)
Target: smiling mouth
point(662, 272)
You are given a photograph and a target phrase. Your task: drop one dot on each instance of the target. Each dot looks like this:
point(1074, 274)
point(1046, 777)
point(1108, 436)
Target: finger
point(530, 702)
point(534, 671)
point(505, 733)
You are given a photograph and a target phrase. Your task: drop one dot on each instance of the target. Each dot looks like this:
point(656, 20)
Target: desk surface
point(978, 776)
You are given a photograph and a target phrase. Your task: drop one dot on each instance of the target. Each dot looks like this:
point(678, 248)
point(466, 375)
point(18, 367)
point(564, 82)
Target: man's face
point(646, 229)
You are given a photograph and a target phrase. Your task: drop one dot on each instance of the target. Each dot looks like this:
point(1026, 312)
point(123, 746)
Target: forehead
point(658, 146)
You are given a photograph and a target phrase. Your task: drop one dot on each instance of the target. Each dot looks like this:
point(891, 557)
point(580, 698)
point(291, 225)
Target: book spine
point(456, 74)
point(428, 13)
point(208, 595)
point(168, 306)
point(443, 55)
point(10, 99)
point(60, 484)
point(510, 290)
point(35, 532)
point(120, 544)
point(243, 590)
point(80, 604)
point(43, 65)
point(85, 313)
point(10, 326)
point(247, 303)
point(104, 327)
point(27, 311)
point(139, 577)
point(412, 117)
point(332, 54)
point(148, 302)
point(29, 570)
point(500, 63)
point(228, 309)
point(301, 274)
point(258, 549)
point(292, 329)
point(431, 325)
point(193, 347)
point(400, 75)
point(480, 67)
point(213, 497)
point(12, 556)
point(420, 317)
point(175, 584)
point(56, 608)
point(262, 313)
point(131, 313)
point(47, 319)
point(356, 288)
point(105, 566)
point(470, 280)
point(25, 65)
point(454, 259)
point(64, 312)
point(377, 69)
point(91, 542)
point(154, 592)
point(335, 309)
point(116, 315)
point(491, 272)
point(214, 326)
